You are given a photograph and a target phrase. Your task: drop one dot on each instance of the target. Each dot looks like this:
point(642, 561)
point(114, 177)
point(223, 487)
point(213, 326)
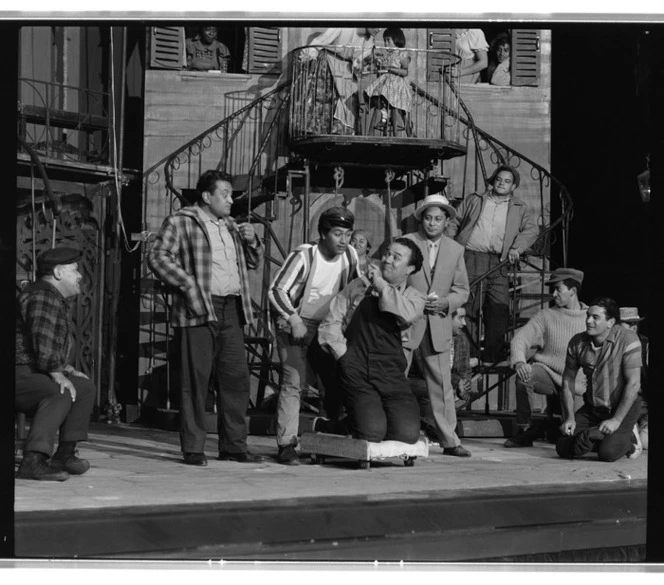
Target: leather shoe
point(36, 466)
point(195, 459)
point(241, 457)
point(457, 451)
point(287, 455)
point(71, 464)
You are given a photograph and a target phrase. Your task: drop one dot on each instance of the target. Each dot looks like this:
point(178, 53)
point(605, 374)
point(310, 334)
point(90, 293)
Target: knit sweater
point(550, 330)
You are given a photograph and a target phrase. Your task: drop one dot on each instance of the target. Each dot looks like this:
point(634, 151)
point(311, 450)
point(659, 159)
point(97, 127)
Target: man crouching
point(47, 386)
point(364, 330)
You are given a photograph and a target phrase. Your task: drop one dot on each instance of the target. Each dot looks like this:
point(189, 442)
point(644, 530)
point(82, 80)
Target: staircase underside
point(399, 154)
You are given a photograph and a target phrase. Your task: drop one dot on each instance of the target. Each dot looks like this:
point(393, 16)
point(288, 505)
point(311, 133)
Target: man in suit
point(444, 280)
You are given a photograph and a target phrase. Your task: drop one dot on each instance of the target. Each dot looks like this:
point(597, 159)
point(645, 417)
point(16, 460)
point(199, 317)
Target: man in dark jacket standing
point(492, 227)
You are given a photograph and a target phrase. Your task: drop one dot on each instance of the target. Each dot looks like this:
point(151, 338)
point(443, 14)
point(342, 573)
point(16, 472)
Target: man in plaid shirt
point(203, 255)
point(47, 385)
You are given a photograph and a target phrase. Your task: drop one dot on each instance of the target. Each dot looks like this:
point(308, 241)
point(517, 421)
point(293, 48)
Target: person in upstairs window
point(206, 53)
point(498, 72)
point(362, 244)
point(471, 46)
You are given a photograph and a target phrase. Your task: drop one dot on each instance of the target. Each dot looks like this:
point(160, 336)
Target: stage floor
point(138, 471)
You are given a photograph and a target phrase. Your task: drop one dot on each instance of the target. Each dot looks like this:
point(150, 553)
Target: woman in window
point(498, 72)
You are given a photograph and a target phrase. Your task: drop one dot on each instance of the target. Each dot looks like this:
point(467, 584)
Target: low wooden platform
point(322, 445)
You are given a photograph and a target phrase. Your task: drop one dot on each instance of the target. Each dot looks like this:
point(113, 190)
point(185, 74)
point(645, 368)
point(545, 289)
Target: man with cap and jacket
point(300, 295)
point(59, 397)
point(549, 330)
point(204, 255)
point(492, 227)
point(444, 280)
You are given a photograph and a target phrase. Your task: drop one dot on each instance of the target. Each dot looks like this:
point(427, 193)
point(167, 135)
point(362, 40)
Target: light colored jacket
point(403, 301)
point(521, 229)
point(449, 280)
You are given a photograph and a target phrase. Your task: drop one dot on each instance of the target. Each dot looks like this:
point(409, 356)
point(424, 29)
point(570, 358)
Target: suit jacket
point(449, 280)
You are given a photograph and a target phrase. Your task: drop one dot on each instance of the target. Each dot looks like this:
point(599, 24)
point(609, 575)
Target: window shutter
point(441, 39)
point(167, 49)
point(525, 57)
point(264, 48)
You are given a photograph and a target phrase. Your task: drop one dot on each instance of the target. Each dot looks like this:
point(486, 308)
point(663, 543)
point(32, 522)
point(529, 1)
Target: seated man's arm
point(530, 335)
point(47, 332)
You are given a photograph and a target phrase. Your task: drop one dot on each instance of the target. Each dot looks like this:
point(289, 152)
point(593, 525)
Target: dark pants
point(611, 447)
point(378, 399)
point(494, 300)
point(38, 395)
point(214, 349)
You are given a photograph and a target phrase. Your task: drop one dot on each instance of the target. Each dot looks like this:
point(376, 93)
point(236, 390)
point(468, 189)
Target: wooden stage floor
point(139, 501)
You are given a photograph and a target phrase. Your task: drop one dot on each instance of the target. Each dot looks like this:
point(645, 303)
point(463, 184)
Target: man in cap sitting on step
point(57, 395)
point(549, 331)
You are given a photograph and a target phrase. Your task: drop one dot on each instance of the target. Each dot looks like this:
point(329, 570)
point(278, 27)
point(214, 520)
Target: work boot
point(35, 465)
point(524, 438)
point(288, 455)
point(66, 458)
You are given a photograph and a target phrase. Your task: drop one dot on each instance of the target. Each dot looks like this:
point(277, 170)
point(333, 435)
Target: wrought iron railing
point(64, 121)
point(350, 91)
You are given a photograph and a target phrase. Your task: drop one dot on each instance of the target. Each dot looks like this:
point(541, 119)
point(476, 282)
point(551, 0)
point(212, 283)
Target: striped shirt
point(181, 257)
point(605, 366)
point(44, 328)
point(293, 279)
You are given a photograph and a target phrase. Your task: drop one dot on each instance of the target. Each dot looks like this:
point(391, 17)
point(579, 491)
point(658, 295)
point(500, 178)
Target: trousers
point(377, 397)
point(52, 411)
point(493, 296)
point(611, 447)
point(215, 349)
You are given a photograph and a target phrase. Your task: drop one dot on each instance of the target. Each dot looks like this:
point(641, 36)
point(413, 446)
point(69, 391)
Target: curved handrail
point(42, 172)
point(170, 161)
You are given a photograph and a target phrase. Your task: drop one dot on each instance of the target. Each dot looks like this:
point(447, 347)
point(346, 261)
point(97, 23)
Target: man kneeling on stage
point(364, 330)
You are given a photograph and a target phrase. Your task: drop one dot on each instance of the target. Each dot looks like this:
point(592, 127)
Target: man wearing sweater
point(549, 331)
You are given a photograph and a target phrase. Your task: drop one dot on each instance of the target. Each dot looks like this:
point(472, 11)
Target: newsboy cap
point(48, 259)
point(336, 216)
point(560, 274)
point(630, 315)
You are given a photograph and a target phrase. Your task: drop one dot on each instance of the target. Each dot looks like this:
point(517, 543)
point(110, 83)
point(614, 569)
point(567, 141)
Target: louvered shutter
point(525, 57)
point(264, 50)
point(441, 39)
point(167, 49)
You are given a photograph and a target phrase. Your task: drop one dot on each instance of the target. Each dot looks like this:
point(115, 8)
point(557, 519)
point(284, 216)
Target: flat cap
point(52, 257)
point(564, 273)
point(336, 216)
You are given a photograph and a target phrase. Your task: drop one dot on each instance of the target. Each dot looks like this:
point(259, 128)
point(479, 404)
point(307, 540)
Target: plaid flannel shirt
point(181, 257)
point(460, 369)
point(44, 328)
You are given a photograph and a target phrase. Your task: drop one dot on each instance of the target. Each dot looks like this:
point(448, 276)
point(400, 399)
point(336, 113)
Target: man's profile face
point(394, 265)
point(562, 296)
point(335, 242)
point(458, 320)
point(503, 184)
point(596, 322)
point(220, 200)
point(69, 279)
point(434, 220)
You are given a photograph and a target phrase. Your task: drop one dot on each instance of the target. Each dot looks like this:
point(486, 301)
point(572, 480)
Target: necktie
point(432, 256)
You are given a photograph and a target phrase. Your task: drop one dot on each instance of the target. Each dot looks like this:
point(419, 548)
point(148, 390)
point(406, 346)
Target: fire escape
point(284, 150)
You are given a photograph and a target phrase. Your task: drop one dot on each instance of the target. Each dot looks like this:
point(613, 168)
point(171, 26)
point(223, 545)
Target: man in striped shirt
point(610, 357)
point(203, 254)
point(300, 295)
